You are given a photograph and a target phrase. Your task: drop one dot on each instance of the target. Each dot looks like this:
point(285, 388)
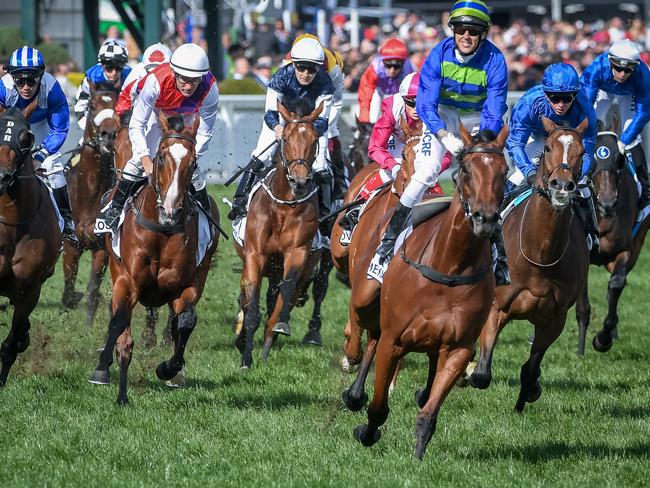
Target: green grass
point(283, 423)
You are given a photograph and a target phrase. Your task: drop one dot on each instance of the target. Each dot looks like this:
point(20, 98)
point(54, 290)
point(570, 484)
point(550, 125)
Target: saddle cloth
point(59, 219)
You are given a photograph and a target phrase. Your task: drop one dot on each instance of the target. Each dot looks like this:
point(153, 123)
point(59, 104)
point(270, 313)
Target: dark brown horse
point(358, 154)
point(438, 290)
point(30, 238)
point(281, 224)
point(548, 259)
point(158, 255)
point(621, 239)
point(88, 181)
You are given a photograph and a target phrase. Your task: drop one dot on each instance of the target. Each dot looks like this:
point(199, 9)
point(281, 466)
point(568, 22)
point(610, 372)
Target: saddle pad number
point(346, 238)
point(101, 227)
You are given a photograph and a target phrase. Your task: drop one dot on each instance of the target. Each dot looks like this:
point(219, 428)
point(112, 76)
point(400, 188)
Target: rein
point(286, 202)
point(31, 217)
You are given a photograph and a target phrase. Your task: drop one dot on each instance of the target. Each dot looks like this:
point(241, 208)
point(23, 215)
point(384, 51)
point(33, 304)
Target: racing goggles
point(621, 69)
point(110, 67)
point(393, 64)
point(409, 102)
point(308, 67)
point(27, 80)
point(566, 97)
point(473, 30)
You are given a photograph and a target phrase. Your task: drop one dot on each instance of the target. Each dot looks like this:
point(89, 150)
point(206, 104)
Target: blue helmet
point(560, 77)
point(26, 61)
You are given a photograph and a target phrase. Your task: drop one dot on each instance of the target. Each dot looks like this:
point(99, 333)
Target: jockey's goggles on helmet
point(186, 80)
point(29, 81)
point(310, 68)
point(460, 29)
point(409, 102)
point(110, 67)
point(557, 97)
point(622, 69)
point(393, 64)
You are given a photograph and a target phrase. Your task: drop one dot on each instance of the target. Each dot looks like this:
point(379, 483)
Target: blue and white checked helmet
point(26, 61)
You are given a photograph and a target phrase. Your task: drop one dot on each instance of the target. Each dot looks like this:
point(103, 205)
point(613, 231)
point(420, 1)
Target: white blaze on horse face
point(178, 152)
point(566, 142)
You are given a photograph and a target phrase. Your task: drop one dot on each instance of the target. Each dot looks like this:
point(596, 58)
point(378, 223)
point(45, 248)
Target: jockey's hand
point(622, 147)
point(452, 143)
point(39, 154)
point(395, 170)
point(278, 129)
point(147, 164)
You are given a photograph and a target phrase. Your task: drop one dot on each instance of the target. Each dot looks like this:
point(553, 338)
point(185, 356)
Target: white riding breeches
point(626, 107)
point(52, 165)
point(267, 136)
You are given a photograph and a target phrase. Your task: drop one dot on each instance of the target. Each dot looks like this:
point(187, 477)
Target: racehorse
point(88, 181)
point(358, 154)
point(438, 289)
point(548, 260)
point(281, 225)
point(159, 239)
point(30, 237)
point(621, 239)
point(364, 299)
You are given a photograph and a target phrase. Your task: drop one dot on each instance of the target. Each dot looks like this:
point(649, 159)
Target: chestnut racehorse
point(438, 289)
point(88, 180)
point(548, 259)
point(621, 239)
point(281, 224)
point(158, 255)
point(30, 238)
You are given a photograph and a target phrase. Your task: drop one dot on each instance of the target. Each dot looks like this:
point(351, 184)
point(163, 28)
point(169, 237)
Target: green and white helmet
point(474, 12)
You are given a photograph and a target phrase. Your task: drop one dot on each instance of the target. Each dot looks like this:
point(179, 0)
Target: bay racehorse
point(281, 224)
point(30, 237)
point(621, 238)
point(88, 181)
point(358, 154)
point(548, 260)
point(364, 298)
point(438, 289)
point(159, 245)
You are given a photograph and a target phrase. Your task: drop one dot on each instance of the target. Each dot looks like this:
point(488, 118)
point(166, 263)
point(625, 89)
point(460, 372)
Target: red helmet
point(394, 49)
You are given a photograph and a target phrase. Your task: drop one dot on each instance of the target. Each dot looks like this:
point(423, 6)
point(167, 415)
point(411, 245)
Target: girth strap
point(447, 280)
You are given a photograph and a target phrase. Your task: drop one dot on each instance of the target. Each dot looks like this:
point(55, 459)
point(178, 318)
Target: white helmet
point(156, 54)
point(624, 53)
point(308, 50)
point(190, 60)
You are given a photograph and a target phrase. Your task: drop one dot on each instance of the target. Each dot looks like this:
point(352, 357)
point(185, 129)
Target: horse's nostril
point(571, 186)
point(553, 184)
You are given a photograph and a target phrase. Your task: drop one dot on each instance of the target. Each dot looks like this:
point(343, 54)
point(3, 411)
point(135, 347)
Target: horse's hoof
point(480, 380)
point(353, 404)
point(177, 381)
point(312, 338)
point(535, 393)
point(72, 299)
point(99, 377)
point(282, 328)
point(361, 435)
point(164, 372)
point(420, 398)
point(123, 402)
point(601, 342)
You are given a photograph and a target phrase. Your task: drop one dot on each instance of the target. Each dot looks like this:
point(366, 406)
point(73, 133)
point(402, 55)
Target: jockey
point(153, 56)
point(301, 85)
point(464, 80)
point(620, 74)
point(184, 86)
point(560, 99)
point(25, 80)
point(387, 142)
point(110, 69)
point(382, 79)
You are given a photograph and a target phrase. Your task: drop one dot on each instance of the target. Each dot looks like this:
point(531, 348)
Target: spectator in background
point(282, 37)
point(338, 28)
point(241, 69)
point(61, 74)
point(262, 71)
point(263, 40)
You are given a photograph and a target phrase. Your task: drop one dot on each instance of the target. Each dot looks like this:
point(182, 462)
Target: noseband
point(544, 190)
point(158, 161)
point(286, 164)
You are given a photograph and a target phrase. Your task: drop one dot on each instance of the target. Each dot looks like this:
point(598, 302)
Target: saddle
point(428, 209)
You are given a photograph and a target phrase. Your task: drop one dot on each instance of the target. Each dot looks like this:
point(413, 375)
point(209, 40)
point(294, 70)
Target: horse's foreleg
point(355, 397)
point(583, 316)
point(422, 394)
point(545, 334)
point(352, 349)
point(71, 297)
point(183, 308)
point(124, 299)
point(123, 355)
point(482, 374)
point(99, 261)
point(388, 355)
point(617, 280)
point(321, 284)
point(250, 290)
point(17, 340)
point(451, 365)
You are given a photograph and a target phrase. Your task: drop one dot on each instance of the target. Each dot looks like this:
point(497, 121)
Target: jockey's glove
point(452, 143)
point(394, 170)
point(622, 147)
point(39, 153)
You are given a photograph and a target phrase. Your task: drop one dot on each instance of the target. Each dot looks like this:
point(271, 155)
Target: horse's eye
point(546, 148)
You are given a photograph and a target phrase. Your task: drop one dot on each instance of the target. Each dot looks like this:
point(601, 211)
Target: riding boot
point(395, 227)
point(239, 203)
point(638, 156)
point(351, 218)
point(202, 197)
point(587, 213)
point(324, 181)
point(63, 202)
point(338, 167)
point(501, 272)
point(122, 192)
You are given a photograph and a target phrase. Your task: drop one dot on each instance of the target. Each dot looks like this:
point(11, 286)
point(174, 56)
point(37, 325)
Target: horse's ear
point(29, 109)
point(286, 115)
point(117, 119)
point(549, 125)
point(317, 111)
point(164, 122)
point(26, 140)
point(583, 126)
point(195, 124)
point(615, 122)
point(465, 135)
point(500, 140)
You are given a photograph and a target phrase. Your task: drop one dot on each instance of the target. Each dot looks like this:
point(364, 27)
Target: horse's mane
point(176, 123)
point(102, 87)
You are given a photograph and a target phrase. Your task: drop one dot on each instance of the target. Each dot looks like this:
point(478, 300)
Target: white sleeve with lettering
point(142, 109)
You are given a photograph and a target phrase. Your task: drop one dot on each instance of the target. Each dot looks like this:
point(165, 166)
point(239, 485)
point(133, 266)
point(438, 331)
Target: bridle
point(609, 168)
point(97, 141)
point(288, 164)
point(158, 161)
point(22, 152)
point(544, 189)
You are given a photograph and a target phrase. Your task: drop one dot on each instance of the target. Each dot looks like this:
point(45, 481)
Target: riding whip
point(353, 203)
point(254, 162)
